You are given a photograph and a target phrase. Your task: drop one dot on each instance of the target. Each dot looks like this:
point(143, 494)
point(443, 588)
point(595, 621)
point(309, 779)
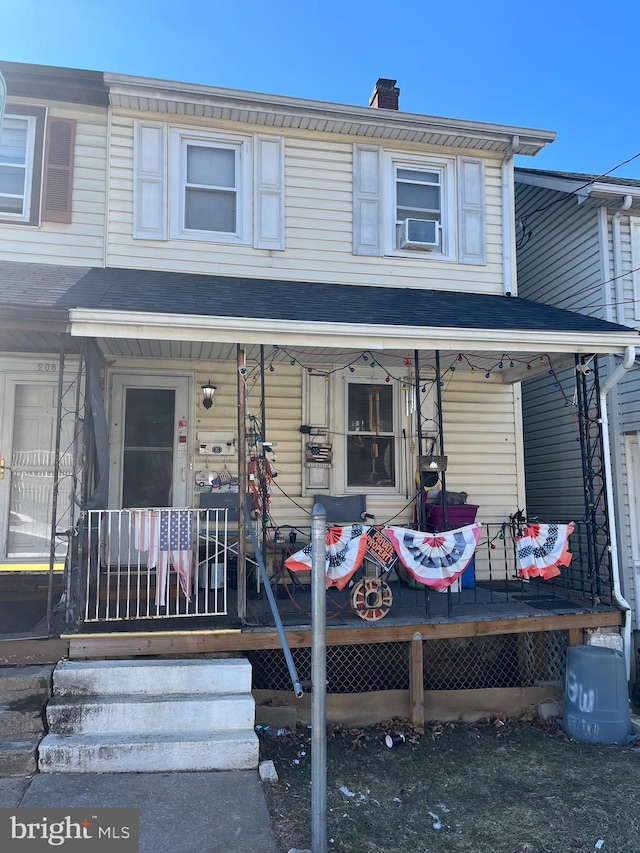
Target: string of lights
point(486, 366)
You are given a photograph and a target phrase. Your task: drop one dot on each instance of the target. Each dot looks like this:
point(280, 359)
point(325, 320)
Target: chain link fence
point(506, 660)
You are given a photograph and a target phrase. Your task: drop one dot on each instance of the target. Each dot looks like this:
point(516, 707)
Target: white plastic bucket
point(215, 576)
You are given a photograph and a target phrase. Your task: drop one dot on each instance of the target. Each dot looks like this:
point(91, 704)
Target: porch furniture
point(349, 509)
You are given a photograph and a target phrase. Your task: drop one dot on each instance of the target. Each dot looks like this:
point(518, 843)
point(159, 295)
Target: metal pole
point(56, 486)
point(441, 450)
point(242, 482)
point(297, 687)
point(319, 682)
point(421, 512)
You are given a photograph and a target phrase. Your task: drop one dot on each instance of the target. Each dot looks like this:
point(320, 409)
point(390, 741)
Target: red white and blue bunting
point(542, 548)
point(435, 559)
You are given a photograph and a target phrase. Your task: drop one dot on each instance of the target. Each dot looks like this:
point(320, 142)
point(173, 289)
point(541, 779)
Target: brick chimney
point(385, 95)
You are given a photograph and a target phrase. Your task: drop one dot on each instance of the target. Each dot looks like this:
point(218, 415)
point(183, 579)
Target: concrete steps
point(131, 753)
point(24, 692)
point(150, 715)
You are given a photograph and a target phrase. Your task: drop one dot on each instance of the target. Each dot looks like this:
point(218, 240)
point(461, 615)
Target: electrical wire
point(526, 230)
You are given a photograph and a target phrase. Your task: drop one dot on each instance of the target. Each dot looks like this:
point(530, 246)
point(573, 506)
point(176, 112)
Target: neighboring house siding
point(561, 265)
point(319, 220)
point(82, 241)
point(569, 262)
point(624, 404)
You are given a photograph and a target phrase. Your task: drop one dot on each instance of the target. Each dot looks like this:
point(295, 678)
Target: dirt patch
point(500, 786)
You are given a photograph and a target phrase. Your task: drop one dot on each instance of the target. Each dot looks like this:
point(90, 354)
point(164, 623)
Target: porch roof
point(144, 304)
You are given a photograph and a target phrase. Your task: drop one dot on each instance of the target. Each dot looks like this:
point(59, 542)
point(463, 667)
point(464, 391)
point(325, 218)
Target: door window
point(147, 479)
point(32, 471)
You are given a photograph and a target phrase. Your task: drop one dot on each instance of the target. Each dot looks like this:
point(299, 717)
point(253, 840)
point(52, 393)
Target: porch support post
point(576, 636)
point(416, 681)
point(421, 510)
point(242, 482)
point(56, 486)
point(441, 450)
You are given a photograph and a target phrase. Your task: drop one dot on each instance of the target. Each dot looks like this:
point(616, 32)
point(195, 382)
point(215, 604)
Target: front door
point(149, 441)
point(27, 451)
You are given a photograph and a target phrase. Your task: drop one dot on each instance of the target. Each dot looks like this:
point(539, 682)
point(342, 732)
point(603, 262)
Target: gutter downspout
point(617, 256)
point(609, 383)
point(508, 278)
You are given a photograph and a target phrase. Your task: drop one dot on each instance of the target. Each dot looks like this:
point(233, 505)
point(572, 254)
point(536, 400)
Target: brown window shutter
point(58, 170)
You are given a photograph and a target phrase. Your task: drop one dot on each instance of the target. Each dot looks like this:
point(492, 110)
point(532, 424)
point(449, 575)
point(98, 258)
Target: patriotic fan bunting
point(435, 559)
point(542, 548)
point(343, 556)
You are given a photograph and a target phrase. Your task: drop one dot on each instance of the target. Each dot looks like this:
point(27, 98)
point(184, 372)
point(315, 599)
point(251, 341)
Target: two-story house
point(209, 292)
point(579, 248)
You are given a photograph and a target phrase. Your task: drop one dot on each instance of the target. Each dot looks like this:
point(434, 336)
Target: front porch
point(355, 408)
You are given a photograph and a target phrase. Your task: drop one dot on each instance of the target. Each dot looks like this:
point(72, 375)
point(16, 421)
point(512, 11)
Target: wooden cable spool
point(371, 599)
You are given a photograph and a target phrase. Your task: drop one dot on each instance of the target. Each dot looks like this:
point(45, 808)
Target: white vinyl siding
point(318, 189)
point(81, 242)
point(482, 450)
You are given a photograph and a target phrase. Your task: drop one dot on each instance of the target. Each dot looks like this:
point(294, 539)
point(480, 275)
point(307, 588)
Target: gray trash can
point(596, 705)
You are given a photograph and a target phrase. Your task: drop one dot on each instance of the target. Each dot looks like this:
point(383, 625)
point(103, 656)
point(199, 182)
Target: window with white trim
point(419, 211)
point(420, 207)
point(370, 429)
point(17, 157)
point(211, 187)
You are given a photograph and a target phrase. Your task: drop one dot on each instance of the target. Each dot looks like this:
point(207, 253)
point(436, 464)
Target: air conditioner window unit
point(420, 234)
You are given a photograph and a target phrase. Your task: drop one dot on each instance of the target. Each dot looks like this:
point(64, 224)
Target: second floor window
point(418, 196)
point(210, 190)
point(16, 167)
point(420, 207)
point(211, 187)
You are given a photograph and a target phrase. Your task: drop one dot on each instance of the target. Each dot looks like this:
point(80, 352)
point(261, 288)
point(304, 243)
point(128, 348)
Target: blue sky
point(561, 65)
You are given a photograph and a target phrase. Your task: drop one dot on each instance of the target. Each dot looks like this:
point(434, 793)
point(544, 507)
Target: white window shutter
point(316, 399)
point(268, 226)
point(471, 211)
point(367, 200)
point(150, 181)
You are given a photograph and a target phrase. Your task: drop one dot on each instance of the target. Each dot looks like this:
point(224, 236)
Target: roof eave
point(153, 326)
point(279, 111)
point(598, 190)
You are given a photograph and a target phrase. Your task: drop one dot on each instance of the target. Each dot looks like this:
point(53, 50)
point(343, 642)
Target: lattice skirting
point(507, 660)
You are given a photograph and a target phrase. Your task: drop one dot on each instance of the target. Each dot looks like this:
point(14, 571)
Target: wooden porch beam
point(210, 642)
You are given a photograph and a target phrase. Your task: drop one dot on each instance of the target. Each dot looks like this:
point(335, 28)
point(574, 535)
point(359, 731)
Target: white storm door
point(27, 446)
point(149, 441)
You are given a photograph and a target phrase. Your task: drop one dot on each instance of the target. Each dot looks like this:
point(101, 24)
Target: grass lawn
point(499, 786)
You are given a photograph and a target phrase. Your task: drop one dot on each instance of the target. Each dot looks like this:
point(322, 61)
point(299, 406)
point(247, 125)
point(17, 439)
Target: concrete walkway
point(216, 812)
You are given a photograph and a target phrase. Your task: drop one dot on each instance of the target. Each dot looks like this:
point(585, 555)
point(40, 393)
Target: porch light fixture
point(208, 392)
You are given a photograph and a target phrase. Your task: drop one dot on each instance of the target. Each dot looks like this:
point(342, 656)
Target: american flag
point(176, 546)
point(167, 535)
point(320, 452)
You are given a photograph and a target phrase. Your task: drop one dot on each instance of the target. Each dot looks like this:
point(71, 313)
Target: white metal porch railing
point(157, 563)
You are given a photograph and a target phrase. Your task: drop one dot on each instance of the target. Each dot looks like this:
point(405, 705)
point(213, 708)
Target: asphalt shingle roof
point(305, 302)
point(580, 176)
